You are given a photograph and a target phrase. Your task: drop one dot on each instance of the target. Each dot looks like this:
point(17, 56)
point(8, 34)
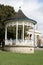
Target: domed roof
point(21, 16)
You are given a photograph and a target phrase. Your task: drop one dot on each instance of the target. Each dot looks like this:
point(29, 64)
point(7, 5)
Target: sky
point(31, 8)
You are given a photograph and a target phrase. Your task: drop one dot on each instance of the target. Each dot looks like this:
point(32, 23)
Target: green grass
point(9, 58)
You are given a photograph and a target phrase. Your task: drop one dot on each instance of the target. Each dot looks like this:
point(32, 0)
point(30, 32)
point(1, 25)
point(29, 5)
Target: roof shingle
point(20, 16)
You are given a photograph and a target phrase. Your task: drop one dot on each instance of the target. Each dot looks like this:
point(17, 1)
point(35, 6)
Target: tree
point(5, 13)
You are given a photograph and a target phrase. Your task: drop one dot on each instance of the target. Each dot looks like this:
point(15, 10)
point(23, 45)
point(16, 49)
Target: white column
point(5, 35)
point(5, 32)
point(23, 31)
point(16, 32)
point(34, 35)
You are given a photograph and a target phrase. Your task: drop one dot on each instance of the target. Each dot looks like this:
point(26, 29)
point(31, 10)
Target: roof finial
point(19, 7)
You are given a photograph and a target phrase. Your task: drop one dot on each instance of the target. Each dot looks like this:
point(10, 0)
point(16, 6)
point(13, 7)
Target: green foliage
point(5, 12)
point(11, 32)
point(26, 28)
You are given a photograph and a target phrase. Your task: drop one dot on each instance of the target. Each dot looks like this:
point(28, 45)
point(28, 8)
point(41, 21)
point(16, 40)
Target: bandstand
point(23, 38)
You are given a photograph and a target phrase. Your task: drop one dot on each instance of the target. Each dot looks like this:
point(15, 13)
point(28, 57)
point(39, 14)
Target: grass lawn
point(9, 58)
